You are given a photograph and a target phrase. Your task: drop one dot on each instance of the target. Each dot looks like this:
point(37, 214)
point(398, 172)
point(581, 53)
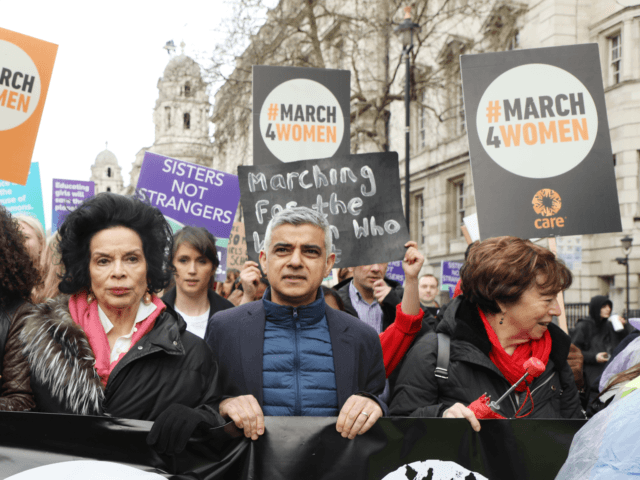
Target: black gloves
point(173, 428)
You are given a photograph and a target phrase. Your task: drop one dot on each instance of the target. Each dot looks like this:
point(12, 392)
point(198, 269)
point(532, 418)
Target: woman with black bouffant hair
point(111, 346)
point(18, 276)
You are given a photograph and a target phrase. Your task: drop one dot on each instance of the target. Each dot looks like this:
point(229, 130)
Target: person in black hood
point(597, 338)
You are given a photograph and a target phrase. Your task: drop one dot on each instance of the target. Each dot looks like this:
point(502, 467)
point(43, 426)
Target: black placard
point(539, 142)
point(358, 194)
point(300, 113)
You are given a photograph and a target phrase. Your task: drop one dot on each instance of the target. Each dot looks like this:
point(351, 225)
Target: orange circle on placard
point(546, 202)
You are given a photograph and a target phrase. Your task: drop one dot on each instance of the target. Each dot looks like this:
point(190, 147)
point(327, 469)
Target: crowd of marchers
point(116, 315)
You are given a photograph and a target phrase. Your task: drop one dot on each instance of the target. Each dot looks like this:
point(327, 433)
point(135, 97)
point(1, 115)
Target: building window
point(109, 172)
point(167, 112)
point(420, 220)
point(108, 189)
point(187, 121)
point(462, 121)
point(423, 121)
point(616, 57)
point(187, 90)
point(513, 43)
point(615, 160)
point(458, 205)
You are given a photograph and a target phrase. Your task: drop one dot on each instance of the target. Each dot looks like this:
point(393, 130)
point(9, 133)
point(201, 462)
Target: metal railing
point(574, 312)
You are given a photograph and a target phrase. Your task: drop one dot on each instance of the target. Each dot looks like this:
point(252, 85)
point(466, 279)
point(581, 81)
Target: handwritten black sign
point(359, 195)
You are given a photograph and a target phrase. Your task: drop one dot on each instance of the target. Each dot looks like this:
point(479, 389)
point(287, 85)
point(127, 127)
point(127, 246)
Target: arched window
point(108, 189)
point(187, 121)
point(109, 172)
point(187, 89)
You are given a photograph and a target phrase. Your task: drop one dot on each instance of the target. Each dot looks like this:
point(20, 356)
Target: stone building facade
point(106, 173)
point(181, 117)
point(442, 189)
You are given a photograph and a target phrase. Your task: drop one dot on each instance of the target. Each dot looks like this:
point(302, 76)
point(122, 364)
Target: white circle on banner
point(301, 120)
point(17, 104)
point(433, 470)
point(85, 469)
point(547, 127)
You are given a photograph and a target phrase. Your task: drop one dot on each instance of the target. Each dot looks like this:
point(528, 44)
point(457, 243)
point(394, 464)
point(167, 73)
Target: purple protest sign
point(67, 195)
point(450, 275)
point(395, 272)
point(190, 194)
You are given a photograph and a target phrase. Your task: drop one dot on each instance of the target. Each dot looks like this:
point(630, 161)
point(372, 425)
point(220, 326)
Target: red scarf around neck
point(511, 366)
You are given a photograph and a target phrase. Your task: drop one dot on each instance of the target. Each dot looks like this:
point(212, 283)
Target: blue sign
point(190, 194)
point(67, 195)
point(395, 272)
point(450, 275)
point(24, 200)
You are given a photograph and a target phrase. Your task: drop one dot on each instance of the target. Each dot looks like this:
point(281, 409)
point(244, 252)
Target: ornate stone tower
point(181, 116)
point(106, 173)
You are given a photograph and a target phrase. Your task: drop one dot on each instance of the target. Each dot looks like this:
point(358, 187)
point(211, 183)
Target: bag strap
point(442, 363)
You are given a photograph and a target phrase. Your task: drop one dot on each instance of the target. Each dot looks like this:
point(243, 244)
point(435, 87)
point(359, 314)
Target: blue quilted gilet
point(297, 372)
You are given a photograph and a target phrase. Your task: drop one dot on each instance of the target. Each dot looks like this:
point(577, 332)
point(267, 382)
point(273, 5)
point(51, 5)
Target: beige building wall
point(436, 168)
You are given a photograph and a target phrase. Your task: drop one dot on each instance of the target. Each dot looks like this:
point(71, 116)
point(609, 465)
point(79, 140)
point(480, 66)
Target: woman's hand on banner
point(358, 415)
point(458, 410)
point(246, 413)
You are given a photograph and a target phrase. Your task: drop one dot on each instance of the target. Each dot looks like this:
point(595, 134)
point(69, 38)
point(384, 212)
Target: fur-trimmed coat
point(168, 365)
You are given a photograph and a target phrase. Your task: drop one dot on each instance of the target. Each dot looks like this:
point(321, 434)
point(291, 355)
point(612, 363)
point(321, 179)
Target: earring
point(147, 298)
point(90, 297)
point(502, 319)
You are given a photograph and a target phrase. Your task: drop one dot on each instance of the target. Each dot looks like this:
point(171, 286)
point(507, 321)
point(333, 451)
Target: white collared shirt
point(123, 343)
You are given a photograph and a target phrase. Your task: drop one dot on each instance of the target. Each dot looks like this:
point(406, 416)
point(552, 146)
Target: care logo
point(537, 121)
point(19, 86)
point(547, 202)
point(301, 120)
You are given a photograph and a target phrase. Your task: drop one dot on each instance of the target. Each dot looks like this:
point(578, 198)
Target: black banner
point(292, 448)
point(358, 194)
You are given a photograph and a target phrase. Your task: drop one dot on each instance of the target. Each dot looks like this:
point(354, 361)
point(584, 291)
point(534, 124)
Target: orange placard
point(26, 64)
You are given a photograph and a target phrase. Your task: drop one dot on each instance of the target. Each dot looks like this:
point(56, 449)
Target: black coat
point(236, 338)
point(419, 393)
point(167, 365)
point(594, 335)
point(217, 303)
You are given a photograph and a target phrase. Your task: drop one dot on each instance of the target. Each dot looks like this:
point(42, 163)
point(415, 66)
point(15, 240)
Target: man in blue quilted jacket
point(290, 355)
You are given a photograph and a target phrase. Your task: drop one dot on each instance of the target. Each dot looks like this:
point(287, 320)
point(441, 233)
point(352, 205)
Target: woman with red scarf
point(502, 318)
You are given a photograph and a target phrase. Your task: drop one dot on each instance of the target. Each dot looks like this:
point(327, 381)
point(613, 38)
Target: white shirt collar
point(143, 313)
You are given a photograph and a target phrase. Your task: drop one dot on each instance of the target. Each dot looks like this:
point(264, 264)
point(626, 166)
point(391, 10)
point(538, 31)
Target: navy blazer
point(236, 337)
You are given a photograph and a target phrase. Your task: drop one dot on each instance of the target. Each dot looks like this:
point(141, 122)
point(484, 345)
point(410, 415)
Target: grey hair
point(299, 216)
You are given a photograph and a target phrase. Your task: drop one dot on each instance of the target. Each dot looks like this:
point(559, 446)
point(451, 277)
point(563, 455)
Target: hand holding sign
point(381, 290)
point(413, 260)
point(250, 279)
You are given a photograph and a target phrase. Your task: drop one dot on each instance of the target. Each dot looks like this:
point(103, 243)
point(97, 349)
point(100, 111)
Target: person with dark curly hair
point(18, 276)
point(111, 346)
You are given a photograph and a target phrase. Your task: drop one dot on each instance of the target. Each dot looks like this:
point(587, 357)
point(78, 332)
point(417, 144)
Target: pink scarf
point(86, 315)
